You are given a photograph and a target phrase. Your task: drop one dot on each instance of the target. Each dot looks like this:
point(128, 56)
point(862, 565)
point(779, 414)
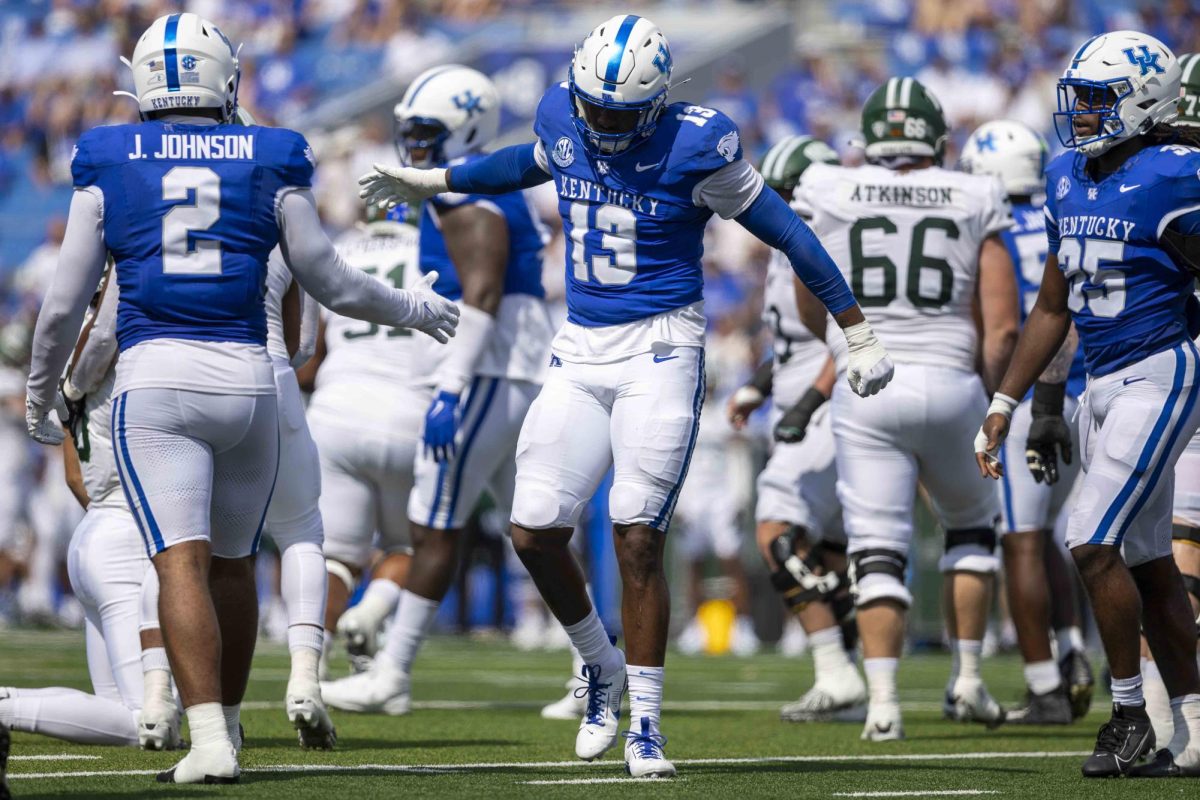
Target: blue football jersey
point(634, 234)
point(526, 238)
point(1027, 246)
point(189, 218)
point(1127, 296)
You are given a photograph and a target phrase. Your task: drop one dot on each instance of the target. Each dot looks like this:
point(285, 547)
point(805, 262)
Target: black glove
point(791, 426)
point(75, 416)
point(1047, 431)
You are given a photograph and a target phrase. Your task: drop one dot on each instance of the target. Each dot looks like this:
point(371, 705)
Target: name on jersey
point(924, 196)
point(579, 189)
point(1092, 226)
point(185, 146)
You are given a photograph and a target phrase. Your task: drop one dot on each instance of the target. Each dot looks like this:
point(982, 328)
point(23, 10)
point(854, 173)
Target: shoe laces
point(646, 744)
point(1112, 736)
point(595, 692)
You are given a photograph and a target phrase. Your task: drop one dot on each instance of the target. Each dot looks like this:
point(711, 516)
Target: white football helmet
point(619, 80)
point(184, 62)
point(1129, 78)
point(1012, 151)
point(447, 112)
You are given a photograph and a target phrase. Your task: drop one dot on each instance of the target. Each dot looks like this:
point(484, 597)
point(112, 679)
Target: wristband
point(1002, 404)
point(748, 395)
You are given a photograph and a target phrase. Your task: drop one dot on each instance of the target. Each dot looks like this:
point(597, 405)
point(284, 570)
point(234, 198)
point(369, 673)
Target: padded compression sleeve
point(506, 170)
point(771, 220)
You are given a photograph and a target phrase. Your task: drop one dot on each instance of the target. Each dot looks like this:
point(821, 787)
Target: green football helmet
point(786, 161)
point(1189, 94)
point(902, 118)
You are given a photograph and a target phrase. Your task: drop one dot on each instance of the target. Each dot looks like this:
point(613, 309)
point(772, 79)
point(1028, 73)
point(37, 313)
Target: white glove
point(870, 368)
point(391, 186)
point(43, 423)
point(1001, 404)
point(432, 314)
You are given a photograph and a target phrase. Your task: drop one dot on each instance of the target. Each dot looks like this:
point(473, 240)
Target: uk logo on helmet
point(1145, 60)
point(564, 152)
point(470, 102)
point(662, 59)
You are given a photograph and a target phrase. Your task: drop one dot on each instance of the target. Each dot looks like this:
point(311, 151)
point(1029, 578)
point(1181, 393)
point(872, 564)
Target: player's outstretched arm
point(80, 265)
point(771, 219)
point(506, 170)
point(323, 274)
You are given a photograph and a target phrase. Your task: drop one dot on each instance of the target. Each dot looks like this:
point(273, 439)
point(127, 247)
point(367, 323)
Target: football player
point(1030, 501)
point(637, 180)
point(799, 531)
point(488, 252)
point(190, 205)
point(1123, 231)
point(921, 247)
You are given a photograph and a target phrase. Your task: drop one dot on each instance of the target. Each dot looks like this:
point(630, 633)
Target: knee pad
point(337, 569)
point(970, 550)
point(307, 529)
point(538, 508)
point(630, 504)
point(795, 577)
point(878, 574)
point(1185, 533)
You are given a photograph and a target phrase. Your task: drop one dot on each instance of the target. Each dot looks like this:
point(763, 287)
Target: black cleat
point(1080, 681)
point(1051, 708)
point(5, 742)
point(1122, 742)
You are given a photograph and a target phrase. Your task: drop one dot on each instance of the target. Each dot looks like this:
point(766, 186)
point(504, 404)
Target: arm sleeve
point(1052, 237)
point(730, 190)
point(93, 361)
point(310, 320)
point(80, 265)
point(506, 170)
point(771, 220)
point(322, 273)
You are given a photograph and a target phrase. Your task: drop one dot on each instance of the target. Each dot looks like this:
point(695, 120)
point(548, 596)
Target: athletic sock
point(1185, 715)
point(155, 658)
point(306, 668)
point(1042, 677)
point(881, 679)
point(410, 625)
point(965, 663)
point(378, 602)
point(305, 637)
point(1068, 639)
point(828, 653)
point(232, 716)
point(156, 689)
point(592, 642)
point(303, 584)
point(645, 696)
point(207, 725)
point(1158, 704)
point(1128, 691)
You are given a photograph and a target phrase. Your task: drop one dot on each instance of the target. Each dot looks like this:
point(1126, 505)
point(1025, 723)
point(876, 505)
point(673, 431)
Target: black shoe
point(1080, 682)
point(1051, 708)
point(1121, 743)
point(5, 741)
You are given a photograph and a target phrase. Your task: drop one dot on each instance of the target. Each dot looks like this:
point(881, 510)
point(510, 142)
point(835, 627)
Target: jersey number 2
point(181, 254)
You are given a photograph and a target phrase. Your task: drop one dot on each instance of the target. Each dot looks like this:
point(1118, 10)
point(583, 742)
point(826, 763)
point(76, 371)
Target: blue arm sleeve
point(506, 170)
point(771, 220)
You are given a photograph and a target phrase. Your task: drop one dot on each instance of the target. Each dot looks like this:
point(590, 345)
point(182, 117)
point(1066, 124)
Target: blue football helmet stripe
point(613, 70)
point(169, 56)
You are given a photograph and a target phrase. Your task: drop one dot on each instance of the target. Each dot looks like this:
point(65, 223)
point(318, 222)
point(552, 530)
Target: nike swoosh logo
point(1123, 189)
point(660, 359)
point(1128, 381)
point(883, 728)
point(644, 167)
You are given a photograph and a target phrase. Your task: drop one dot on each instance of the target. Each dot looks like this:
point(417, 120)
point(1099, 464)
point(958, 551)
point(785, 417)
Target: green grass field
point(476, 733)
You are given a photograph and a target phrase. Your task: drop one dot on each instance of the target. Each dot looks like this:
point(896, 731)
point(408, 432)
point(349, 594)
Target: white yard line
point(924, 793)
point(669, 705)
point(55, 757)
point(582, 781)
point(495, 765)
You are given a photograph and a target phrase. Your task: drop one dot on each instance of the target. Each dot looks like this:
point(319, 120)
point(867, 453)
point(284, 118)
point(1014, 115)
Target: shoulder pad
point(101, 146)
point(704, 139)
point(287, 152)
point(553, 114)
point(1175, 161)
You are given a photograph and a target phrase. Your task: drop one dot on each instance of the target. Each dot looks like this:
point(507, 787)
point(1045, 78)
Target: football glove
point(44, 423)
point(1049, 433)
point(441, 425)
point(391, 186)
point(434, 315)
point(870, 367)
point(794, 423)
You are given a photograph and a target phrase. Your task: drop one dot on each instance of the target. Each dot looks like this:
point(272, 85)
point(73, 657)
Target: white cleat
point(644, 757)
point(693, 639)
point(383, 689)
point(743, 641)
point(361, 638)
point(967, 700)
point(308, 716)
point(600, 727)
point(883, 723)
point(572, 705)
point(838, 697)
point(212, 764)
point(158, 728)
point(794, 642)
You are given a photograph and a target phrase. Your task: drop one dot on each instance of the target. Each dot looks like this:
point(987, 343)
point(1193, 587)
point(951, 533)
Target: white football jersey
point(908, 244)
point(799, 355)
point(97, 460)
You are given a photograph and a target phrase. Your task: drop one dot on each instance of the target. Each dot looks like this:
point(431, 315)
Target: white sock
point(302, 585)
point(1068, 639)
point(378, 602)
point(1128, 691)
point(207, 725)
point(232, 716)
point(827, 651)
point(71, 715)
point(1185, 718)
point(306, 668)
point(1042, 676)
point(305, 637)
point(966, 658)
point(591, 640)
point(156, 689)
point(645, 696)
point(881, 679)
point(1158, 705)
point(410, 625)
point(576, 670)
point(155, 658)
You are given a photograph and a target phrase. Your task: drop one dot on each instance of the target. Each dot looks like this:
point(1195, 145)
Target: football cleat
point(360, 636)
point(1164, 765)
point(1126, 738)
point(1051, 708)
point(384, 689)
point(1080, 681)
point(883, 723)
point(572, 705)
point(599, 729)
point(5, 742)
point(743, 641)
point(967, 700)
point(213, 764)
point(158, 727)
point(692, 640)
point(313, 726)
point(839, 697)
point(644, 757)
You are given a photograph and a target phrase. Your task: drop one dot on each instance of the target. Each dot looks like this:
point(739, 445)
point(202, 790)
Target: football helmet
point(619, 79)
point(786, 161)
point(1129, 79)
point(1012, 151)
point(902, 118)
point(184, 62)
point(447, 112)
point(1189, 95)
